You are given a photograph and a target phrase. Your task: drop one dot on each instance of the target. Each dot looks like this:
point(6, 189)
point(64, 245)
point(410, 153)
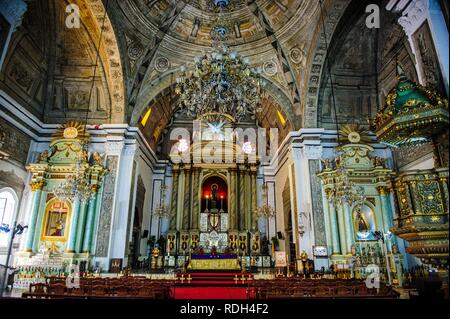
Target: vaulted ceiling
point(159, 36)
point(145, 43)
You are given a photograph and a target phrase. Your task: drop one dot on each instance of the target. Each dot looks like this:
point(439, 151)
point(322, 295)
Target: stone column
point(36, 188)
point(253, 208)
point(196, 200)
point(335, 238)
point(385, 207)
point(174, 199)
point(241, 200)
point(341, 222)
point(233, 200)
point(385, 211)
point(90, 222)
point(187, 198)
point(98, 205)
point(349, 228)
point(13, 11)
point(80, 227)
point(73, 227)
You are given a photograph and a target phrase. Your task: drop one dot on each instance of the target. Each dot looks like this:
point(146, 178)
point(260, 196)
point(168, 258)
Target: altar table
point(217, 262)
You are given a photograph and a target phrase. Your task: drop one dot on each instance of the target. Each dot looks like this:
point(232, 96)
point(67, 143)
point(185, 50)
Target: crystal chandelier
point(75, 187)
point(221, 82)
point(344, 190)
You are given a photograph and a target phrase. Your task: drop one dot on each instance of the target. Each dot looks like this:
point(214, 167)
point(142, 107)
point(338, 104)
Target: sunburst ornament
point(354, 134)
point(71, 130)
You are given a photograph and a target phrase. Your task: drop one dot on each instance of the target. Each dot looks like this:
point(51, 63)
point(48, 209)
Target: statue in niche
point(265, 246)
point(214, 189)
point(97, 159)
point(327, 164)
point(43, 157)
point(361, 223)
point(379, 161)
point(161, 244)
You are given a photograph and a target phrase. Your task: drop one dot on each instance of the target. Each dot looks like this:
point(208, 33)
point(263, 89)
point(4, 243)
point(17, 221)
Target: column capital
point(114, 148)
point(37, 186)
point(313, 152)
point(14, 11)
point(95, 188)
point(382, 190)
point(413, 16)
point(130, 150)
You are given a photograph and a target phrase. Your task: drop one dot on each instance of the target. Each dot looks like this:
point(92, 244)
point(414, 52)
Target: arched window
point(8, 206)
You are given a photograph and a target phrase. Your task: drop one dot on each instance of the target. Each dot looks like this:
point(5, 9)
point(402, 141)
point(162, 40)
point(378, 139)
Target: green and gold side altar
point(358, 190)
point(66, 187)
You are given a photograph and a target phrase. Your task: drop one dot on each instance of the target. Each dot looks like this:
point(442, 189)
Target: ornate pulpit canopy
point(412, 114)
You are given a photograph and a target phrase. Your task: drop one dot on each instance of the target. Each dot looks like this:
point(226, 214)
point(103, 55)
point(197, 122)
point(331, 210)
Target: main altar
point(213, 203)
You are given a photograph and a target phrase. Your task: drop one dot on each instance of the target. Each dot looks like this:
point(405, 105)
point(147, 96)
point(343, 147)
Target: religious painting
point(364, 223)
point(56, 221)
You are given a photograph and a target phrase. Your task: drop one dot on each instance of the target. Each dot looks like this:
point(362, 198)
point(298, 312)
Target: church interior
point(231, 149)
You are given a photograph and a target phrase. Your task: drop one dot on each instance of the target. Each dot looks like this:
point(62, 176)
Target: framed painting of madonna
point(56, 221)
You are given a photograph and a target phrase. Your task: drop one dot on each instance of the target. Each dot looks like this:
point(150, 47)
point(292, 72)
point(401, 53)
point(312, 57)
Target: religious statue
point(214, 189)
point(361, 223)
point(395, 249)
point(184, 242)
point(85, 156)
point(304, 262)
point(327, 164)
point(265, 246)
point(255, 246)
point(162, 243)
point(155, 252)
point(43, 157)
point(379, 161)
point(59, 226)
point(97, 159)
point(232, 241)
point(194, 242)
point(242, 245)
point(357, 262)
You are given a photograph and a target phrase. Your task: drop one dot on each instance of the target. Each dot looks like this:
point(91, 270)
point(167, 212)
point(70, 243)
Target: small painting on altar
point(56, 221)
point(364, 223)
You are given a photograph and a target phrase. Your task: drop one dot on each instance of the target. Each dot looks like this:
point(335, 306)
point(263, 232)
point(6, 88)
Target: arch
point(9, 204)
point(152, 89)
point(110, 57)
point(222, 194)
point(334, 11)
